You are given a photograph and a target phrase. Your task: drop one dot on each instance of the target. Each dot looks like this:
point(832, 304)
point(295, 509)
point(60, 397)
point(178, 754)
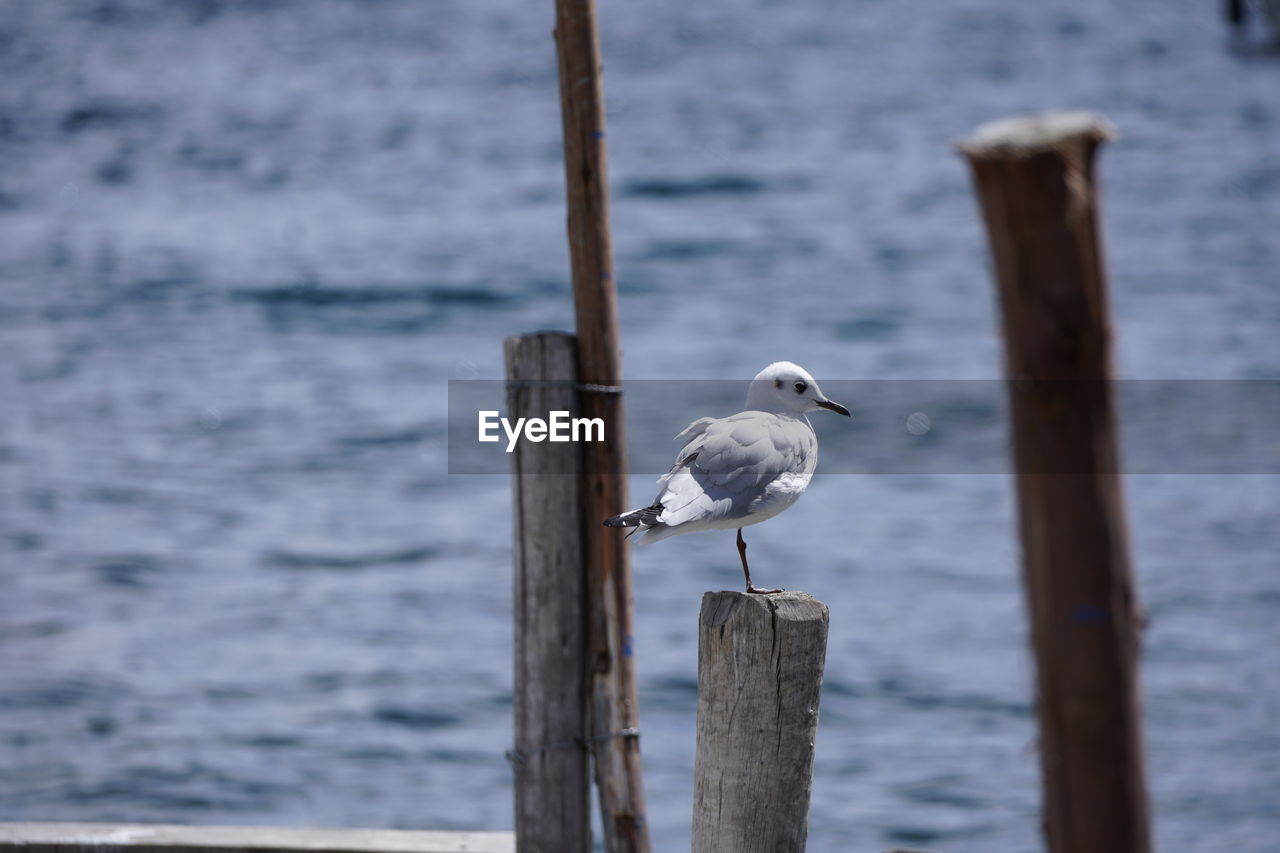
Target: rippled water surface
point(243, 247)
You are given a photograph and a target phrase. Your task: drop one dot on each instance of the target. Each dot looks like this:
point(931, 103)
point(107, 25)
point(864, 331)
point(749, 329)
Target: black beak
point(835, 407)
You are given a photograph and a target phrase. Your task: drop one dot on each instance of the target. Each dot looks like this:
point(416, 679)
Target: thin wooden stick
point(552, 781)
point(614, 718)
point(1035, 180)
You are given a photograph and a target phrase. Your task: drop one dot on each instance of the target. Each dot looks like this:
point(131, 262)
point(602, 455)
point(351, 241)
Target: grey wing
point(726, 464)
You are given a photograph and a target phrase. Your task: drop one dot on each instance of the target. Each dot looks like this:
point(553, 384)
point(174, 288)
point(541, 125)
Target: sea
point(246, 246)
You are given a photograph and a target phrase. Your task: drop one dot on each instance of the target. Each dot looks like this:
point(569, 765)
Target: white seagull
point(739, 470)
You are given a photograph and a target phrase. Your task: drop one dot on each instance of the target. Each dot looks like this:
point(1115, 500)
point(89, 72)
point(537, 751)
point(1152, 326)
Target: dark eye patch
point(801, 387)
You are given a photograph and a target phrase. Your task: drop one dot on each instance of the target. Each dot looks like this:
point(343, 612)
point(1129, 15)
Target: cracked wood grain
point(760, 662)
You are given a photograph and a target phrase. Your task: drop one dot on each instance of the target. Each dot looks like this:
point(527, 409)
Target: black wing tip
point(637, 517)
point(649, 515)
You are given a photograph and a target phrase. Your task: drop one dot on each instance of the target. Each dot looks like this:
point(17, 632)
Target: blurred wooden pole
point(614, 715)
point(760, 662)
point(1235, 13)
point(1035, 180)
point(552, 781)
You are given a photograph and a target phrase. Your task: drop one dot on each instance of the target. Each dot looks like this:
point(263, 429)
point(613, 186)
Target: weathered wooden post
point(760, 661)
point(1035, 180)
point(552, 783)
point(614, 712)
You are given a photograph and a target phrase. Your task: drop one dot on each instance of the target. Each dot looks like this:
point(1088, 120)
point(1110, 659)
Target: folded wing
point(726, 463)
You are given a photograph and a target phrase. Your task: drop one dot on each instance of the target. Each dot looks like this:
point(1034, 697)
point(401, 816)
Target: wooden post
point(760, 660)
point(552, 784)
point(614, 715)
point(1035, 180)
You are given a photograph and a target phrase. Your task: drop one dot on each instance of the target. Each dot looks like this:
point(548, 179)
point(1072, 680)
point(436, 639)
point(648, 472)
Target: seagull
point(739, 470)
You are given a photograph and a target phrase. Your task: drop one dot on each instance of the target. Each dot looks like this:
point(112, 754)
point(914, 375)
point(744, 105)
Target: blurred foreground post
point(614, 716)
point(760, 661)
point(1035, 180)
point(550, 757)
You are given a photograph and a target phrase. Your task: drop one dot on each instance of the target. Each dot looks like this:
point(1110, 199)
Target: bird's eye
point(801, 387)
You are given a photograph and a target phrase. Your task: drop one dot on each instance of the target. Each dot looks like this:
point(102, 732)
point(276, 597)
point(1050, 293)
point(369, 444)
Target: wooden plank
point(552, 782)
point(760, 662)
point(614, 712)
point(1035, 180)
point(166, 838)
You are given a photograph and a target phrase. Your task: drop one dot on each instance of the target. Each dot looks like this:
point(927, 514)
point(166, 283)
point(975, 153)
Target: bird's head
point(783, 387)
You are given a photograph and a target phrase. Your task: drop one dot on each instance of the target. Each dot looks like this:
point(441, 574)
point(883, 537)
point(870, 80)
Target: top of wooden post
point(718, 607)
point(1026, 136)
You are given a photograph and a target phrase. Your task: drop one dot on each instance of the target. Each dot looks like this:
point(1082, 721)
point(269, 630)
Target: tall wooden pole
point(1035, 181)
point(614, 715)
point(552, 782)
point(760, 661)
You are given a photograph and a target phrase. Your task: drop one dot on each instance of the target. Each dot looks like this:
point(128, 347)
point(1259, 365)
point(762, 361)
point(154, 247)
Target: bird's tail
point(637, 517)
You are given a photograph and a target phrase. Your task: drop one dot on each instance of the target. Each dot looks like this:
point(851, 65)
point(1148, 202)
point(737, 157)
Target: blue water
point(243, 247)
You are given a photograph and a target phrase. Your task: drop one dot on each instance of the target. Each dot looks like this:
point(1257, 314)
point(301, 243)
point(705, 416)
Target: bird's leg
point(742, 552)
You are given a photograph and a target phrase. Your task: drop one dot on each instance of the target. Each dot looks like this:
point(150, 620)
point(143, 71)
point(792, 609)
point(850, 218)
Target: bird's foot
point(755, 590)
